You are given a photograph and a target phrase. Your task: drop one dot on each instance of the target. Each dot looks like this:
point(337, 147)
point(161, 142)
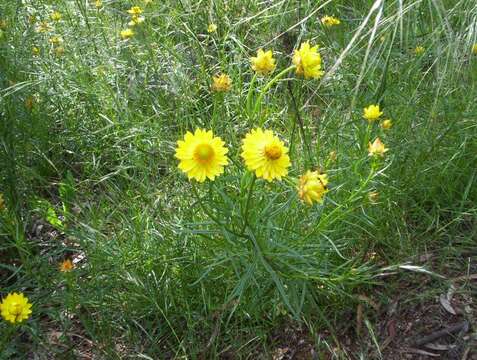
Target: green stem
point(249, 95)
point(247, 205)
point(267, 87)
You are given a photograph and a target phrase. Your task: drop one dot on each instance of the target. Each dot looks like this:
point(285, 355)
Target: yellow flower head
point(136, 20)
point(211, 28)
point(419, 50)
point(3, 24)
point(98, 4)
point(386, 124)
point(15, 308)
point(43, 27)
point(312, 186)
point(263, 63)
point(201, 155)
point(29, 102)
point(265, 153)
point(308, 61)
point(55, 40)
point(474, 49)
point(35, 51)
point(2, 202)
point(373, 197)
point(330, 21)
point(55, 16)
point(126, 34)
point(221, 83)
point(147, 2)
point(66, 266)
point(372, 112)
point(59, 50)
point(135, 10)
point(377, 148)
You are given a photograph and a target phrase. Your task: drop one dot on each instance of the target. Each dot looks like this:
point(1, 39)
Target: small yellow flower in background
point(419, 50)
point(32, 19)
point(29, 102)
point(66, 266)
point(135, 10)
point(43, 26)
point(136, 20)
point(372, 112)
point(386, 124)
point(55, 40)
point(373, 197)
point(126, 34)
point(330, 21)
point(221, 83)
point(59, 50)
point(377, 148)
point(35, 51)
point(265, 154)
point(202, 156)
point(3, 24)
point(2, 202)
point(312, 186)
point(55, 16)
point(263, 63)
point(15, 308)
point(474, 49)
point(332, 156)
point(147, 2)
point(211, 28)
point(308, 61)
point(98, 4)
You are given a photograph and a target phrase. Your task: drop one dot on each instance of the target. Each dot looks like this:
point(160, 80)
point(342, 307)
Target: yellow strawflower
point(419, 50)
point(202, 156)
point(55, 16)
point(312, 186)
point(43, 27)
point(135, 10)
point(263, 63)
point(66, 266)
point(387, 124)
point(136, 20)
point(59, 50)
point(98, 4)
point(221, 83)
point(55, 40)
point(35, 51)
point(377, 148)
point(265, 153)
point(372, 112)
point(308, 61)
point(126, 34)
point(373, 197)
point(15, 308)
point(330, 21)
point(474, 49)
point(211, 28)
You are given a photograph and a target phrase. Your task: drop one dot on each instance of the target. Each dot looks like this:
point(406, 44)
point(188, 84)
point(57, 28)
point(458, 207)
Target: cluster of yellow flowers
point(373, 113)
point(136, 19)
point(203, 156)
point(45, 27)
point(306, 62)
point(330, 21)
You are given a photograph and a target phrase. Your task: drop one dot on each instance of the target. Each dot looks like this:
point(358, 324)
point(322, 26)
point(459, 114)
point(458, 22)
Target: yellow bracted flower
point(386, 124)
point(35, 51)
point(202, 156)
point(126, 34)
point(66, 266)
point(98, 4)
point(312, 186)
point(55, 16)
point(377, 148)
point(136, 20)
point(221, 83)
point(43, 26)
point(263, 63)
point(135, 10)
point(211, 28)
point(59, 51)
point(55, 40)
point(330, 21)
point(15, 308)
point(308, 61)
point(419, 50)
point(474, 49)
point(265, 154)
point(372, 112)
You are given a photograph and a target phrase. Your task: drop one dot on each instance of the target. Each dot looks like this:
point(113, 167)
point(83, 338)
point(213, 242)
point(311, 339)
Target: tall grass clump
point(115, 120)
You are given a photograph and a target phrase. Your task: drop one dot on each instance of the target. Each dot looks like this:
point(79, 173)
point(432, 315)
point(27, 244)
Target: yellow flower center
point(273, 151)
point(203, 152)
point(15, 309)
